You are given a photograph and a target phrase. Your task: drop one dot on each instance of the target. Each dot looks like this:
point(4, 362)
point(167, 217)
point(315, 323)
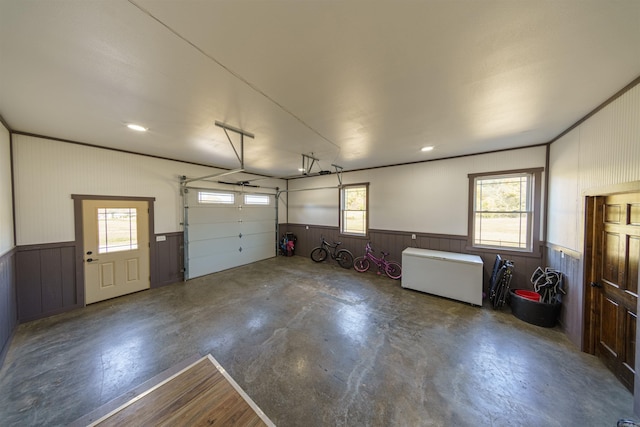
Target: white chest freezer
point(446, 274)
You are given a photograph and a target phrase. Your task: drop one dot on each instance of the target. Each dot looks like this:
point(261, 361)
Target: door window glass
point(117, 229)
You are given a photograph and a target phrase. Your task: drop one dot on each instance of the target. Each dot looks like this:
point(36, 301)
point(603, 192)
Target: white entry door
point(116, 248)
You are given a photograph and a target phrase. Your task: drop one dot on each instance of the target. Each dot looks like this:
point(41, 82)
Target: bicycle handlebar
point(369, 249)
point(335, 244)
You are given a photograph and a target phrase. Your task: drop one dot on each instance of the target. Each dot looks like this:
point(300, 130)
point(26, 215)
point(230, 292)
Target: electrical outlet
point(413, 237)
point(306, 227)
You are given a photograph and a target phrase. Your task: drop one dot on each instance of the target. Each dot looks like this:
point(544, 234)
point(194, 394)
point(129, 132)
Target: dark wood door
point(617, 254)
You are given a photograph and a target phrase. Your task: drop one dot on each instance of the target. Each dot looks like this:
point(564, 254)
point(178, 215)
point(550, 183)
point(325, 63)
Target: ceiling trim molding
point(68, 141)
point(436, 160)
point(5, 124)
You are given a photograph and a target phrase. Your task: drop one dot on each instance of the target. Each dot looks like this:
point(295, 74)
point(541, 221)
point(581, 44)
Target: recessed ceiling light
point(427, 148)
point(137, 127)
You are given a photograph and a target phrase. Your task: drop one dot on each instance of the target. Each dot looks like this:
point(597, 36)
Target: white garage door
point(227, 229)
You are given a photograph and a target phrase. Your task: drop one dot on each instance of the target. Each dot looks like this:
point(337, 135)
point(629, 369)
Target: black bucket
point(534, 312)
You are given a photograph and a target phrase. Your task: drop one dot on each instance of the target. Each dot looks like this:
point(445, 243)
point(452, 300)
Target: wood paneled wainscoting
point(569, 262)
point(49, 278)
point(46, 280)
point(167, 267)
point(395, 242)
point(8, 308)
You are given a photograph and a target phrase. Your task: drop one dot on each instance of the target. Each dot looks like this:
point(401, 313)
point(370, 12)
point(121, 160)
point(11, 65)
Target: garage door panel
point(212, 216)
point(203, 248)
point(258, 247)
point(193, 221)
point(257, 227)
point(258, 253)
point(258, 214)
point(213, 231)
point(252, 240)
point(211, 264)
point(216, 232)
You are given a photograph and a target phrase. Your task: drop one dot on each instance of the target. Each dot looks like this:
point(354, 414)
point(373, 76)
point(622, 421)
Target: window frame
point(536, 213)
point(341, 210)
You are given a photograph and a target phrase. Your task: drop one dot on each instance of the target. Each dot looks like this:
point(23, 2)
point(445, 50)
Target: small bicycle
point(343, 256)
point(391, 268)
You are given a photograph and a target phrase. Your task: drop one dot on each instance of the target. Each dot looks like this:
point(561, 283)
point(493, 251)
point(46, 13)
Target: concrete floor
point(313, 345)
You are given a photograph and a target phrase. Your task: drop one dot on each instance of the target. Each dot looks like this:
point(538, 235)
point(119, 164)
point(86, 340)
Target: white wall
point(563, 227)
point(48, 172)
point(429, 197)
point(6, 203)
point(599, 154)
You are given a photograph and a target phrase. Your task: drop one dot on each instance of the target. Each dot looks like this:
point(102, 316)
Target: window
point(257, 199)
point(216, 197)
point(504, 213)
point(353, 209)
point(117, 229)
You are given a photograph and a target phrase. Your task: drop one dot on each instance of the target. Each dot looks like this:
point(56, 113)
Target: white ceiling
point(356, 83)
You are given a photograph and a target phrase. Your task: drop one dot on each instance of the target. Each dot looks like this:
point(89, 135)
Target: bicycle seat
point(337, 243)
point(384, 253)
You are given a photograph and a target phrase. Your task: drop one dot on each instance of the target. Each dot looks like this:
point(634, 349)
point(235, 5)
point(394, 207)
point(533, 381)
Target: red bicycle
point(391, 268)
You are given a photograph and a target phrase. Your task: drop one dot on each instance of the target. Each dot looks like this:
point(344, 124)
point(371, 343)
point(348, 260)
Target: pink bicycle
point(391, 268)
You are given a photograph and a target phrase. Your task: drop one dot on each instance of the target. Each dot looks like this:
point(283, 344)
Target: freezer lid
point(441, 255)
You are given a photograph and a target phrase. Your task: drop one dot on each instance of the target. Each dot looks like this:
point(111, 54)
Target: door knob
point(92, 259)
point(596, 285)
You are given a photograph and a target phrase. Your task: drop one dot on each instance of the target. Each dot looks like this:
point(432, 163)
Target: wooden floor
point(201, 394)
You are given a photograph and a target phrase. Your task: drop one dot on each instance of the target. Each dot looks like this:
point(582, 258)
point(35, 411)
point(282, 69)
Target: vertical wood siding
point(570, 264)
point(601, 153)
point(46, 280)
point(169, 260)
point(564, 194)
point(395, 242)
point(6, 199)
point(8, 308)
point(610, 144)
point(48, 172)
point(430, 197)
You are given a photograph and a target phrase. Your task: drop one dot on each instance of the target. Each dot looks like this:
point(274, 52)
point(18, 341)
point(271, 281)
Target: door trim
point(590, 327)
point(79, 240)
point(592, 199)
point(593, 236)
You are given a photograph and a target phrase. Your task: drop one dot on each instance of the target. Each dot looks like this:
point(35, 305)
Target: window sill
point(354, 236)
point(525, 254)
